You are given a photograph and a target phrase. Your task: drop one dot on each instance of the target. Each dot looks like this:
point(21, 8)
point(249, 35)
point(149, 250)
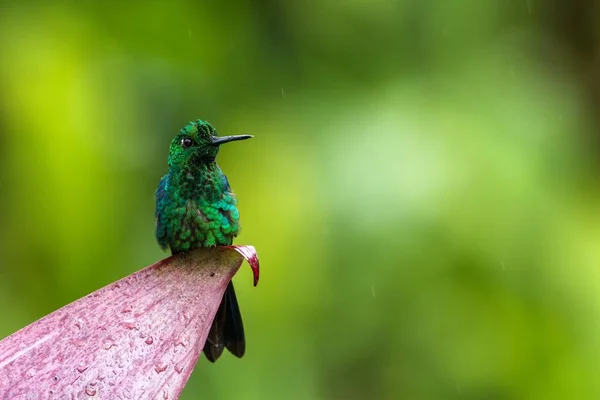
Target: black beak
point(217, 140)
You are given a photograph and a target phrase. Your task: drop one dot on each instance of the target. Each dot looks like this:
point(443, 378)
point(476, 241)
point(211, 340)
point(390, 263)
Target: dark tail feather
point(227, 330)
point(235, 340)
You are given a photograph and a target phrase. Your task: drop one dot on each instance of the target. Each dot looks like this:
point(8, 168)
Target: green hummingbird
point(195, 207)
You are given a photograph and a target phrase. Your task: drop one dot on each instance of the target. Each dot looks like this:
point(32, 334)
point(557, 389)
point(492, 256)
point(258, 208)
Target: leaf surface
point(137, 338)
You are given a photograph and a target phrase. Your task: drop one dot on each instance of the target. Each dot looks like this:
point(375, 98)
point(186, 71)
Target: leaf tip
point(249, 253)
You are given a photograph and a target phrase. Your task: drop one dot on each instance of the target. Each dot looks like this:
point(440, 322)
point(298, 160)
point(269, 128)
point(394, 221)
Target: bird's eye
point(186, 142)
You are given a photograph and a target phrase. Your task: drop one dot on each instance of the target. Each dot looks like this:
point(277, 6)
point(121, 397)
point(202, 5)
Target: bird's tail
point(227, 330)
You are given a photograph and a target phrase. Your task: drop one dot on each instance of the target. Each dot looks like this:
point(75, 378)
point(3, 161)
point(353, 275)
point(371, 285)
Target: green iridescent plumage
point(195, 207)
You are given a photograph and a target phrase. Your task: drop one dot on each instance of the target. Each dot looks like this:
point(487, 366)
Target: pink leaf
point(136, 338)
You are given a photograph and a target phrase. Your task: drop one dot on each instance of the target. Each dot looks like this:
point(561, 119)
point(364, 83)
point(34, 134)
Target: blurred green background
point(422, 188)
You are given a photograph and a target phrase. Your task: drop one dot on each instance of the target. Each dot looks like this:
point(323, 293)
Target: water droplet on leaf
point(81, 368)
point(108, 344)
point(130, 323)
point(90, 390)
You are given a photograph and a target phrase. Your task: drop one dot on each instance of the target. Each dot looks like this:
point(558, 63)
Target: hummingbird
point(195, 207)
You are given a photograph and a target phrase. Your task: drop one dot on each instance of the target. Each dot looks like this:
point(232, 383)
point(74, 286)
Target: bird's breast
point(201, 223)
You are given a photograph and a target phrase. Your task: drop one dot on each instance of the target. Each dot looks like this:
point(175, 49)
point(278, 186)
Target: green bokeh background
point(421, 189)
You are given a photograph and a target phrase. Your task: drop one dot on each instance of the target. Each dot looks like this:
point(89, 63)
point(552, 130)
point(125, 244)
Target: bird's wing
point(160, 196)
point(225, 182)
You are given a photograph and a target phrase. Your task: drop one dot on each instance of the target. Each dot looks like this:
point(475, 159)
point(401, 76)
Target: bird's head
point(198, 143)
